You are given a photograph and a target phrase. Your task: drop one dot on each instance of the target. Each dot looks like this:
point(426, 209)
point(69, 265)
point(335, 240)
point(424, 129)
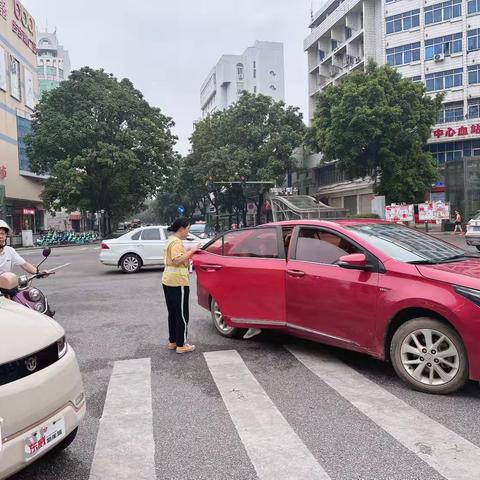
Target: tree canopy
point(103, 146)
point(376, 123)
point(254, 138)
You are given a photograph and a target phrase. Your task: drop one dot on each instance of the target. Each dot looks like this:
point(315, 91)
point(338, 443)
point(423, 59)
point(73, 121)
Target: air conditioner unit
point(439, 57)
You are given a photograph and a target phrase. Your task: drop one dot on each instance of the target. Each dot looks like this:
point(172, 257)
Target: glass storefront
point(462, 180)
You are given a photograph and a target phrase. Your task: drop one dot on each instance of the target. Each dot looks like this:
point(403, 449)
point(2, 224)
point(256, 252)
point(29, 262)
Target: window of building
point(240, 88)
point(444, 80)
point(403, 54)
point(321, 55)
point(240, 74)
point(443, 45)
point(446, 152)
point(474, 108)
point(334, 44)
point(473, 6)
point(403, 21)
point(451, 112)
point(473, 74)
point(24, 127)
point(416, 78)
point(444, 11)
point(273, 87)
point(473, 39)
point(348, 32)
point(254, 69)
point(257, 243)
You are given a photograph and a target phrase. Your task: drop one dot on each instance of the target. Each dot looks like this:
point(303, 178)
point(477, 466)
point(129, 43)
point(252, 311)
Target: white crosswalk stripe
point(276, 451)
point(125, 446)
point(447, 452)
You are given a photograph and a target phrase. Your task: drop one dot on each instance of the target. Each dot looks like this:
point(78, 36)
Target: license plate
point(476, 229)
point(44, 438)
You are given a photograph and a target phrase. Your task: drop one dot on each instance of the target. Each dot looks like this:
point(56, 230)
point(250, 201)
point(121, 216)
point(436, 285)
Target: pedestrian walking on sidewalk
point(176, 285)
point(458, 222)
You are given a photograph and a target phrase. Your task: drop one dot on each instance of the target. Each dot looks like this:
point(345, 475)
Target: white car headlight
point(62, 346)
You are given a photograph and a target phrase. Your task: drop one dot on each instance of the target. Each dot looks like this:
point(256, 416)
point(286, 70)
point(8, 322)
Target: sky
point(168, 47)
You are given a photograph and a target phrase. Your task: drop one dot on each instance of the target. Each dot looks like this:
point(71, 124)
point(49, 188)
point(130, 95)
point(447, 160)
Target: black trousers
point(177, 305)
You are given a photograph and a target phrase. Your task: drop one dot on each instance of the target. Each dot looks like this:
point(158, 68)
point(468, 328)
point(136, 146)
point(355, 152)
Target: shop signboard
point(28, 211)
point(399, 213)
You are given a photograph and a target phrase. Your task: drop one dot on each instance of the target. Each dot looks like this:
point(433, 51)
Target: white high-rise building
point(53, 61)
point(430, 41)
point(260, 69)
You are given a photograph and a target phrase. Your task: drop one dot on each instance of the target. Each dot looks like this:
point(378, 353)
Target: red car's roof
point(340, 222)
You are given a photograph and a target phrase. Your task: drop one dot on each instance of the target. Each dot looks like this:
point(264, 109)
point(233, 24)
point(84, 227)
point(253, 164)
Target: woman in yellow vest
point(176, 285)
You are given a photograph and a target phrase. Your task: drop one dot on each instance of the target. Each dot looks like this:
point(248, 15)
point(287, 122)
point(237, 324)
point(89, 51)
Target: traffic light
point(210, 184)
point(243, 181)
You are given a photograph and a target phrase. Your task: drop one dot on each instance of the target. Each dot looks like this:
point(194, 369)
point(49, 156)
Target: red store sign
point(26, 21)
point(457, 132)
point(28, 211)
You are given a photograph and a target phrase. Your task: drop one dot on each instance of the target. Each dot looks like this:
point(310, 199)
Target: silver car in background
point(472, 235)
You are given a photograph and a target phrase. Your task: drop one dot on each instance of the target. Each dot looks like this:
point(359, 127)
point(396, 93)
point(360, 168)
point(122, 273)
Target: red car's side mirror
point(354, 261)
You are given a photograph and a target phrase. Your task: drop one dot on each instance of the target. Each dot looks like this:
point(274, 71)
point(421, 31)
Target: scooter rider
point(8, 255)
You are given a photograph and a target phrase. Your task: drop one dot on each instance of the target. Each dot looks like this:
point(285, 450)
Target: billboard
point(399, 213)
point(3, 70)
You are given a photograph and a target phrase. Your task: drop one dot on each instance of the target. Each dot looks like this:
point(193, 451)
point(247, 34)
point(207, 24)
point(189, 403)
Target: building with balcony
point(53, 62)
point(260, 70)
point(429, 41)
point(20, 188)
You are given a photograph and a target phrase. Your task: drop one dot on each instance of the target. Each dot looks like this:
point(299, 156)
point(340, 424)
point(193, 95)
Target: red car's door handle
point(210, 268)
point(296, 273)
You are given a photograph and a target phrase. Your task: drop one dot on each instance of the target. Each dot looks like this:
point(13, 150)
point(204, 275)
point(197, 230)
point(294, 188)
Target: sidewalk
point(41, 247)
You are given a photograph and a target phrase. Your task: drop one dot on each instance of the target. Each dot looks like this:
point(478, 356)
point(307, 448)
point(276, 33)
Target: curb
point(36, 247)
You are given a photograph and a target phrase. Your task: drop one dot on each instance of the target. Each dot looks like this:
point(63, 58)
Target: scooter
point(29, 296)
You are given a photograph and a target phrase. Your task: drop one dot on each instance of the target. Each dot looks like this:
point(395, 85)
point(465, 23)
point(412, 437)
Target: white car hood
point(24, 331)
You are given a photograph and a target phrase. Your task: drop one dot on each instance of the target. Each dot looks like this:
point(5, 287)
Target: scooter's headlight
point(35, 295)
point(39, 307)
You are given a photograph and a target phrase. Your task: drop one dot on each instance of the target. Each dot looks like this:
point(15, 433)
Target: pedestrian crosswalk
point(260, 429)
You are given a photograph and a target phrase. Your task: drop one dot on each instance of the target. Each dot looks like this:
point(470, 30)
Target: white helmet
point(5, 226)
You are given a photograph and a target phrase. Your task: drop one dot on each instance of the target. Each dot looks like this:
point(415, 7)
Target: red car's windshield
point(405, 244)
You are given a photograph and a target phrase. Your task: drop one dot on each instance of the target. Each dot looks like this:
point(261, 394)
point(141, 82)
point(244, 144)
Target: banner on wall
point(15, 78)
point(399, 213)
point(3, 70)
point(29, 93)
point(433, 211)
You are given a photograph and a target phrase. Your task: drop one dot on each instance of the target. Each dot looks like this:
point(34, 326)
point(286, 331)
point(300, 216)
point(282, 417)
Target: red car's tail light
point(105, 246)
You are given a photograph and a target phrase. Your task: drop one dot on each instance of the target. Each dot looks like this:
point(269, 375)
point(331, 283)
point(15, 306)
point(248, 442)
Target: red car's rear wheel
point(219, 322)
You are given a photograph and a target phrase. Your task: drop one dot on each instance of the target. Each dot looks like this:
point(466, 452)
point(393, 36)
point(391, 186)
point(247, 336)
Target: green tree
point(255, 138)
point(376, 123)
point(103, 146)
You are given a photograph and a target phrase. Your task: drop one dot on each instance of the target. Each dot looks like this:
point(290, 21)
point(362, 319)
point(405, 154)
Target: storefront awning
point(75, 216)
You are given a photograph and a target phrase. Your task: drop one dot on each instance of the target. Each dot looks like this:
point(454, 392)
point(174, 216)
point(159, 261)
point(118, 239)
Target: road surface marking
point(276, 452)
point(125, 447)
point(447, 452)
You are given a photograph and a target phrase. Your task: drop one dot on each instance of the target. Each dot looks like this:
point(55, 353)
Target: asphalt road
point(349, 419)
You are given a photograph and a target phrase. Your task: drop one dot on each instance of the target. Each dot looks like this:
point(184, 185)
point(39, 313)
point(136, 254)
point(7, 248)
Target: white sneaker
point(252, 332)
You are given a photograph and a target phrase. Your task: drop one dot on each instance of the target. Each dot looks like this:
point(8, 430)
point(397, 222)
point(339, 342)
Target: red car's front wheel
point(429, 356)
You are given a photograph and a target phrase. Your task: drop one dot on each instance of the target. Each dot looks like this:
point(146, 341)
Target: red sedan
point(375, 287)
